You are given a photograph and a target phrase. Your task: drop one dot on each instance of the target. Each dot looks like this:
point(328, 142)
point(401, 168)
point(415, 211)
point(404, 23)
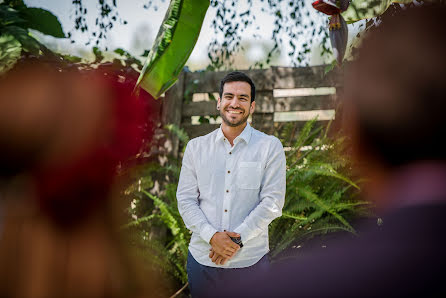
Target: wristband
point(237, 240)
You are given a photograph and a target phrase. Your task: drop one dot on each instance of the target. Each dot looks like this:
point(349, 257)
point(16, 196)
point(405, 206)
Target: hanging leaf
point(173, 45)
point(367, 9)
point(44, 21)
point(10, 50)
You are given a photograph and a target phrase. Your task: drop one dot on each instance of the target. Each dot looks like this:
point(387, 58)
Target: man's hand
point(216, 258)
point(223, 245)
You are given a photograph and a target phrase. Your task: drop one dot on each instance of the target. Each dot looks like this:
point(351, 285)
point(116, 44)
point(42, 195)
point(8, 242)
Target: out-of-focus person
point(395, 104)
point(62, 135)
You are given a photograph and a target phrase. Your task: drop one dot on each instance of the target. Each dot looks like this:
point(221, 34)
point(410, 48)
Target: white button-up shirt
point(238, 188)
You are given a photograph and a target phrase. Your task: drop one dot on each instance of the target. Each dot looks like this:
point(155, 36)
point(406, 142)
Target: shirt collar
point(245, 135)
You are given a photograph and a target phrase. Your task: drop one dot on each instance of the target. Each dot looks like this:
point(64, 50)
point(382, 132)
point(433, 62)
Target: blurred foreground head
point(395, 96)
point(396, 90)
point(63, 134)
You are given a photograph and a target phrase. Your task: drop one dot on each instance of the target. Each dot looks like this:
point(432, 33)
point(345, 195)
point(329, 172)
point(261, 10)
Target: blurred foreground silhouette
point(395, 100)
point(63, 134)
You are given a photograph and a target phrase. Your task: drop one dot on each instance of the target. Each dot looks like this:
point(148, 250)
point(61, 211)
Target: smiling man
point(232, 185)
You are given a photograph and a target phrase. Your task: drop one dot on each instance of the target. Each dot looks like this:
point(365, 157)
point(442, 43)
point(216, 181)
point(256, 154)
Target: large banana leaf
point(367, 9)
point(173, 45)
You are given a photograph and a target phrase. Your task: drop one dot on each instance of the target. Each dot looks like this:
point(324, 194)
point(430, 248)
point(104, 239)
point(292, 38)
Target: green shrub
point(321, 196)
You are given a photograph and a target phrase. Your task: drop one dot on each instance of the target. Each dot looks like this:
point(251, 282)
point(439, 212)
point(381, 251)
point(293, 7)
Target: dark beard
point(229, 123)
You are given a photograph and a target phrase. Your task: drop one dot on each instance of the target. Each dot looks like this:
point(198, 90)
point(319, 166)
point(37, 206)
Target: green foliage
point(173, 45)
point(179, 132)
point(10, 51)
point(178, 246)
point(15, 21)
point(156, 224)
point(44, 21)
point(320, 196)
point(367, 9)
point(129, 58)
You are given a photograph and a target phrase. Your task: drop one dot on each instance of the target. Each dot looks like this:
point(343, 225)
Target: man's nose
point(234, 103)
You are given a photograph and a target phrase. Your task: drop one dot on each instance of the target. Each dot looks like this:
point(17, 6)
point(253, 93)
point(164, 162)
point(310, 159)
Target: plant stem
point(179, 291)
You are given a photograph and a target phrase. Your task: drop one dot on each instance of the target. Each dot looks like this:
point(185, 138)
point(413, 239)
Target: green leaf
point(293, 216)
point(328, 170)
point(367, 9)
point(309, 195)
point(71, 58)
point(178, 132)
point(173, 45)
point(98, 55)
point(10, 51)
point(44, 21)
point(120, 52)
point(330, 67)
point(29, 44)
point(10, 16)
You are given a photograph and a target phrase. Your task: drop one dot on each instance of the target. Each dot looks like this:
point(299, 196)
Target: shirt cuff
point(245, 232)
point(207, 231)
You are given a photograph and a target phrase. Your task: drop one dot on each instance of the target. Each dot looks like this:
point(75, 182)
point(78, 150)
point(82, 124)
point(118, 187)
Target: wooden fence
point(279, 92)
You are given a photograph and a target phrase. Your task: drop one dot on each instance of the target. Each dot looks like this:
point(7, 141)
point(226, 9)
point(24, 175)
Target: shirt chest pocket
point(204, 180)
point(249, 175)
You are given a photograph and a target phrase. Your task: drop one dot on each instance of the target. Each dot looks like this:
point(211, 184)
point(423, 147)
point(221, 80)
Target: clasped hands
point(223, 248)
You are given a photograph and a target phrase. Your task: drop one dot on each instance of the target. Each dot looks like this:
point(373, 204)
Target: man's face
point(235, 103)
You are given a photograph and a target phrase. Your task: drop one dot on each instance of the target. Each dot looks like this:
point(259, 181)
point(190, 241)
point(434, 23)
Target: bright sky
point(143, 25)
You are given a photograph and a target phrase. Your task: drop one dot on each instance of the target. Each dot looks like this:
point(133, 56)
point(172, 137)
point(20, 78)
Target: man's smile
point(234, 111)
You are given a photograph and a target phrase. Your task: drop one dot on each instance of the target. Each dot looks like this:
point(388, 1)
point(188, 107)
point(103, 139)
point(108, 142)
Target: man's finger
point(232, 234)
point(231, 248)
point(211, 254)
point(228, 254)
point(214, 257)
point(218, 260)
point(235, 246)
point(224, 261)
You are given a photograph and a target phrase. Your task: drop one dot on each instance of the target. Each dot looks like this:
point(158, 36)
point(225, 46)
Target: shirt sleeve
point(272, 195)
point(187, 197)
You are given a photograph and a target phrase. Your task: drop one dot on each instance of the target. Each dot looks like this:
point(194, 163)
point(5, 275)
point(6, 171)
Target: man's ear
point(218, 103)
point(253, 105)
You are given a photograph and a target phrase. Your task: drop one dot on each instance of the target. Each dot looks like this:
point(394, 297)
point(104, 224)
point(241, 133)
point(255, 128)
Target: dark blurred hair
point(397, 87)
point(237, 76)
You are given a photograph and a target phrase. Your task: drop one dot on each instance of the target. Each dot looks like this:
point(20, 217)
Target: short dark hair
point(238, 76)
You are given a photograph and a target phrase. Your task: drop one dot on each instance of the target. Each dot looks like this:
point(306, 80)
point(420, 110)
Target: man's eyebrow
point(228, 93)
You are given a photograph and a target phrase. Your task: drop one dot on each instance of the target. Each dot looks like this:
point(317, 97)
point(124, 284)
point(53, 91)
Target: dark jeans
point(207, 281)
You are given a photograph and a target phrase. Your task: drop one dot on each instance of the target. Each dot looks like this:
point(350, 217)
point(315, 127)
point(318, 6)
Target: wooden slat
point(304, 77)
point(264, 104)
point(171, 110)
point(263, 119)
point(194, 131)
point(203, 82)
point(201, 108)
point(304, 103)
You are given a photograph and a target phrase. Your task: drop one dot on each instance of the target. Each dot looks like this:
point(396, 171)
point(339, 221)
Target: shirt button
point(229, 172)
point(230, 152)
point(226, 210)
point(227, 190)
